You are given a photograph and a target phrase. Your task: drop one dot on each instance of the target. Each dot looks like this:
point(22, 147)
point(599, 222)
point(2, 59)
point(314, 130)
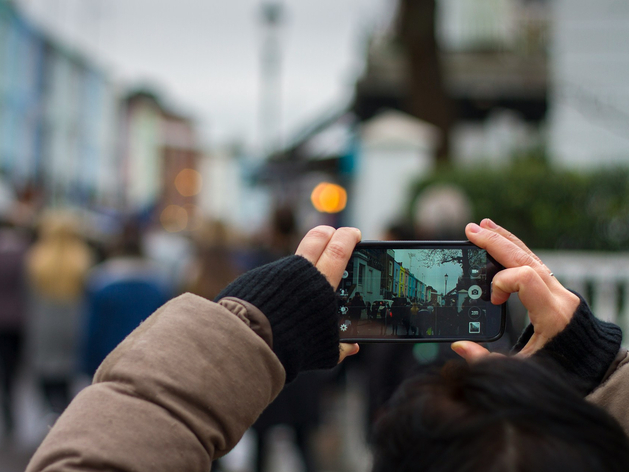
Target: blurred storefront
point(159, 160)
point(69, 137)
point(57, 112)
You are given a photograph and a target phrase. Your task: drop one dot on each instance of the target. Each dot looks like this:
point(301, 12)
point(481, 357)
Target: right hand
point(550, 305)
point(329, 250)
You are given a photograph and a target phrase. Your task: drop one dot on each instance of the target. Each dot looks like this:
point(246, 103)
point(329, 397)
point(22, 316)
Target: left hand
point(329, 250)
point(550, 305)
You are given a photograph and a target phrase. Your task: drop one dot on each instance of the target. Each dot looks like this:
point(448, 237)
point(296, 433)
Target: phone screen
point(419, 291)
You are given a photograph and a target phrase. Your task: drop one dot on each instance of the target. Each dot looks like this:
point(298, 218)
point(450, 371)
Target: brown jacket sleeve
point(180, 391)
point(613, 394)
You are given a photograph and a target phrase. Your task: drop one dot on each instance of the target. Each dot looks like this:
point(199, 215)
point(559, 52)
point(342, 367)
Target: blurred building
point(589, 115)
point(159, 161)
point(57, 115)
point(69, 137)
point(21, 93)
point(492, 63)
point(230, 193)
point(181, 180)
point(486, 63)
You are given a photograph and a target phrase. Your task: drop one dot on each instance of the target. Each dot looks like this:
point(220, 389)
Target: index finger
point(314, 242)
point(506, 252)
point(490, 225)
point(336, 254)
point(329, 250)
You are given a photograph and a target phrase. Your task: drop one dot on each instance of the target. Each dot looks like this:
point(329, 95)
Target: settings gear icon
point(343, 327)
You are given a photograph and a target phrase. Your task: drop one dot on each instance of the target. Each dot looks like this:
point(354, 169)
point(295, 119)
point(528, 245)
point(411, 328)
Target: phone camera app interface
point(415, 293)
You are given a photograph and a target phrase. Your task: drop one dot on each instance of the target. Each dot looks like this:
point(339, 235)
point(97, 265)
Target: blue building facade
point(57, 114)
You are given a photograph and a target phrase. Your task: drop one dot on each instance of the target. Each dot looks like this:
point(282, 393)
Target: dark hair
point(498, 415)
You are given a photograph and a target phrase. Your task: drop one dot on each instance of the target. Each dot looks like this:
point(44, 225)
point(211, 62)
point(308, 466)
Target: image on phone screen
point(419, 291)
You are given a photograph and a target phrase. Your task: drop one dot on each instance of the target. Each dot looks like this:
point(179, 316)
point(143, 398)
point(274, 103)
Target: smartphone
point(419, 291)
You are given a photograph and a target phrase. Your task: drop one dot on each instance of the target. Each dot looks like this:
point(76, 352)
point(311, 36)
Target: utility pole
point(270, 138)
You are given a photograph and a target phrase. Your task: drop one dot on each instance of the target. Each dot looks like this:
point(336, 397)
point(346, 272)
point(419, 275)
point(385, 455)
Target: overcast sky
point(203, 55)
point(433, 276)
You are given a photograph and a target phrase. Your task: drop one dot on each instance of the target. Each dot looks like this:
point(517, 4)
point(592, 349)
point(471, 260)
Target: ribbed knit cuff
point(301, 306)
point(584, 350)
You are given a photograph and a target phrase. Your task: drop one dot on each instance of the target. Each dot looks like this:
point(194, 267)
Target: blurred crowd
point(69, 295)
point(68, 298)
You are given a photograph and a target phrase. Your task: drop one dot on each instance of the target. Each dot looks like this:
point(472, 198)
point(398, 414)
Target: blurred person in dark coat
point(298, 406)
point(215, 266)
point(121, 293)
point(57, 268)
point(13, 248)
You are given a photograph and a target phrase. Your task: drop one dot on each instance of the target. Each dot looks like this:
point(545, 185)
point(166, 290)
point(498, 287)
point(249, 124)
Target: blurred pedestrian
point(174, 251)
point(355, 306)
point(277, 240)
point(298, 406)
point(121, 292)
point(215, 266)
point(441, 211)
point(57, 268)
point(13, 248)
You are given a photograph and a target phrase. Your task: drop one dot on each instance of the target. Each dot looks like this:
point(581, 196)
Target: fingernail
point(474, 228)
point(491, 224)
point(458, 348)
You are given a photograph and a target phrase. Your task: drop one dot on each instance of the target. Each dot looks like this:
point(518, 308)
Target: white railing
point(601, 278)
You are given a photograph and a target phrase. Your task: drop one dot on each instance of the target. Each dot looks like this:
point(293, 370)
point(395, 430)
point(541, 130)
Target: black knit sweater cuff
point(584, 350)
point(301, 306)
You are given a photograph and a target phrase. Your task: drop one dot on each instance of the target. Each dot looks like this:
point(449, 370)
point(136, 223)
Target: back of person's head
point(59, 261)
point(399, 231)
point(129, 241)
point(498, 415)
point(441, 211)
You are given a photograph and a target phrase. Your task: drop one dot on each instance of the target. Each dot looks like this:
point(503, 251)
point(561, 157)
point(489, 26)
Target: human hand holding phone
point(329, 250)
point(550, 305)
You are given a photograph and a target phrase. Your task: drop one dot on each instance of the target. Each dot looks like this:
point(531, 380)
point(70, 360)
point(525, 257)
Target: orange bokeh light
point(188, 182)
point(329, 198)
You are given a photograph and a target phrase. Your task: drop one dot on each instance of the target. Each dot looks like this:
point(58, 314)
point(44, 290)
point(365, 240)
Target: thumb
point(469, 350)
point(347, 350)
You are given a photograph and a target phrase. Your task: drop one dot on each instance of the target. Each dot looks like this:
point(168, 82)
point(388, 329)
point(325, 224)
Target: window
point(361, 274)
point(370, 281)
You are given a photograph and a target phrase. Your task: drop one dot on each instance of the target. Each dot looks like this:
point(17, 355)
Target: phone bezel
point(428, 245)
